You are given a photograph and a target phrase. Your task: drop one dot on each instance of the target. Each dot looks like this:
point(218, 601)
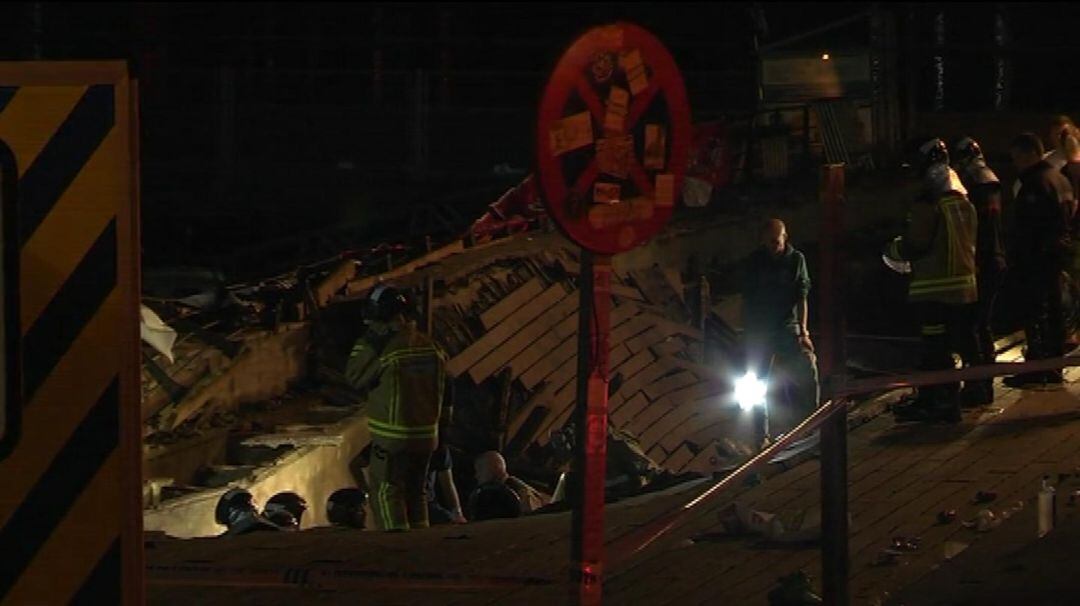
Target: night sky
point(261, 121)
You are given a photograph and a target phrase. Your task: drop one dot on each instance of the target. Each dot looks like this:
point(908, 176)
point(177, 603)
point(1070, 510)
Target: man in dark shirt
point(984, 191)
point(1040, 242)
point(774, 288)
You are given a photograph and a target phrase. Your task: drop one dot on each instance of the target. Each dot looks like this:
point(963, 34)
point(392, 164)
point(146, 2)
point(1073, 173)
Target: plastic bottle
point(1047, 507)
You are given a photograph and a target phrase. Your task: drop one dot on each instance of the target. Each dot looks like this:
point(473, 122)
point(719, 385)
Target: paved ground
point(901, 477)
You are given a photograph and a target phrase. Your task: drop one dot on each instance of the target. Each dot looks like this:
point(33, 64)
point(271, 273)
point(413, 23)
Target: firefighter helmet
point(285, 504)
point(385, 302)
point(930, 153)
point(346, 508)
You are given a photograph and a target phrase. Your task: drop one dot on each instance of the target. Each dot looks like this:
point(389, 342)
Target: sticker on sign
point(570, 133)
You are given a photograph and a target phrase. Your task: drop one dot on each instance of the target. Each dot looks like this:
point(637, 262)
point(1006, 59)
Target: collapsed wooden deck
point(901, 477)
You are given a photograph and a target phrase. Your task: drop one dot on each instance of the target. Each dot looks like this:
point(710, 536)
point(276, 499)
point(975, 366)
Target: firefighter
point(1039, 247)
point(984, 191)
point(940, 245)
point(403, 374)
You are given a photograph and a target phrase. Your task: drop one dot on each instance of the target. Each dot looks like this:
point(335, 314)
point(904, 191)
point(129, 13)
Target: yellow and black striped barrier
point(70, 473)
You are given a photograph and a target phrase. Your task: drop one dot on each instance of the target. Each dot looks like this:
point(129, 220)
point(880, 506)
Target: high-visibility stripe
point(957, 287)
point(399, 432)
point(401, 428)
point(937, 329)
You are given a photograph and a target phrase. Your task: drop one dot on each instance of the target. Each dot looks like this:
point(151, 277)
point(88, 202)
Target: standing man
point(403, 375)
point(775, 286)
point(984, 191)
point(940, 244)
point(1040, 242)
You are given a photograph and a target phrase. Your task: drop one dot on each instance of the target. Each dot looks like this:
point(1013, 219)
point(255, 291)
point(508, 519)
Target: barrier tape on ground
point(70, 508)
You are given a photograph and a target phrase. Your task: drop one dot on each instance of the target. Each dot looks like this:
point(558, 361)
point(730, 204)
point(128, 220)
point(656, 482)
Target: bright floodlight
point(749, 391)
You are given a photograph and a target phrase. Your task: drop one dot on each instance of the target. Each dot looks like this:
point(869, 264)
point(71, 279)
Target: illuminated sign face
point(10, 390)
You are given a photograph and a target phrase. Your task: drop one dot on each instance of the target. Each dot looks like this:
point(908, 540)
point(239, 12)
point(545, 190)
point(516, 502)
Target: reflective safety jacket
point(940, 243)
point(404, 375)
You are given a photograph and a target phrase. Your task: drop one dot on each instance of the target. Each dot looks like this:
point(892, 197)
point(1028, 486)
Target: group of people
point(955, 250)
point(409, 398)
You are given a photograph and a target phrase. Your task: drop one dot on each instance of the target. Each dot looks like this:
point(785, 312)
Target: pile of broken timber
point(665, 396)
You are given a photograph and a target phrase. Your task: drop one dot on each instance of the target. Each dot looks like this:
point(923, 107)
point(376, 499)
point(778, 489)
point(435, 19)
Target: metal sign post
point(613, 140)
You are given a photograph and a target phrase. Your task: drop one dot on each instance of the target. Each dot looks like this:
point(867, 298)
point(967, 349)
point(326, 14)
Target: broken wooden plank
point(648, 415)
point(637, 325)
point(507, 328)
point(537, 399)
point(672, 422)
point(646, 376)
point(669, 346)
point(501, 310)
point(525, 338)
point(625, 413)
point(551, 362)
point(668, 384)
point(627, 292)
point(362, 285)
point(707, 461)
point(678, 459)
point(678, 328)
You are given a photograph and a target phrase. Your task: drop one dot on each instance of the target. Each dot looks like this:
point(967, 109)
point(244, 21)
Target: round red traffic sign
point(613, 138)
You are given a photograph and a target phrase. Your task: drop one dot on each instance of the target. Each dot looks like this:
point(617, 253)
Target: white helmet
point(940, 179)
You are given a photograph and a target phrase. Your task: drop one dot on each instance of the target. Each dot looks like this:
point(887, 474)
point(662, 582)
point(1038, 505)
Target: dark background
point(268, 122)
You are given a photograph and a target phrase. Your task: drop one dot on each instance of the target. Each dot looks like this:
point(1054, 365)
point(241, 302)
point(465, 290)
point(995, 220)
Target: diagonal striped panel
point(6, 94)
point(63, 238)
point(103, 584)
point(61, 403)
point(67, 476)
point(57, 572)
point(65, 316)
point(53, 170)
point(31, 117)
point(69, 491)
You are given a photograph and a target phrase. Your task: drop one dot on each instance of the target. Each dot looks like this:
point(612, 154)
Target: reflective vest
point(404, 377)
point(945, 271)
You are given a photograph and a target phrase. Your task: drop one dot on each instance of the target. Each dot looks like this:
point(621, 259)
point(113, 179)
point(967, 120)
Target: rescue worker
point(1040, 242)
point(940, 245)
point(775, 286)
point(286, 509)
point(984, 192)
point(403, 374)
point(346, 507)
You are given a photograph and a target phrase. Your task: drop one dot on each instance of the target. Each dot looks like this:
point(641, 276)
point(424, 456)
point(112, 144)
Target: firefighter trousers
point(946, 329)
point(397, 474)
point(990, 280)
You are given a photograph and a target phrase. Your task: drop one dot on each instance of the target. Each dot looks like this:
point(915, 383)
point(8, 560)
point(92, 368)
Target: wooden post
point(830, 347)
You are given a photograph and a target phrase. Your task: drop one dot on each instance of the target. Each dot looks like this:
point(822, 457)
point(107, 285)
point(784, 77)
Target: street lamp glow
point(825, 57)
point(749, 391)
